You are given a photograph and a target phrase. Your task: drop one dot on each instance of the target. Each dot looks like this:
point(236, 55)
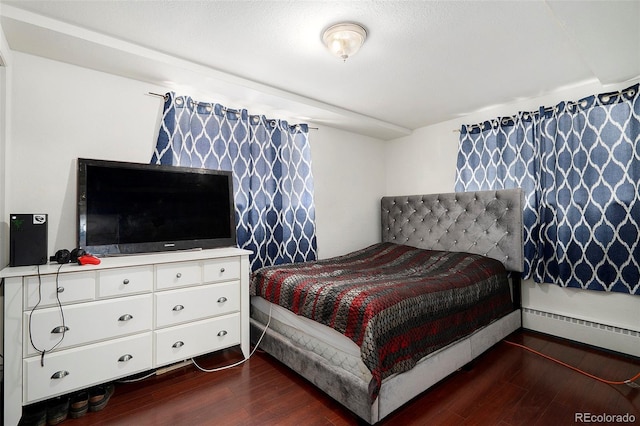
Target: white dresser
point(127, 315)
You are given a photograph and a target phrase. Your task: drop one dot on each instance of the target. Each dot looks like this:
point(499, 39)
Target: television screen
point(135, 208)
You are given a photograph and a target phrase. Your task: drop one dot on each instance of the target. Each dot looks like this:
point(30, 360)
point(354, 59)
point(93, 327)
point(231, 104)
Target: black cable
point(42, 352)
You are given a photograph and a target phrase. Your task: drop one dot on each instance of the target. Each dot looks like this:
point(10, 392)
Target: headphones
point(65, 256)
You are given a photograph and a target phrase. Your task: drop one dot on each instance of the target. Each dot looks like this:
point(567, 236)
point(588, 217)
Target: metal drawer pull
point(60, 374)
point(222, 299)
point(178, 308)
point(60, 289)
point(125, 281)
point(178, 275)
point(125, 317)
point(125, 358)
point(222, 333)
point(222, 270)
point(60, 329)
point(178, 344)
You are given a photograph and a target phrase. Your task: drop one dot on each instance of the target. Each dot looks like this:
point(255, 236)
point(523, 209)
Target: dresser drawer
point(123, 281)
point(88, 322)
point(224, 269)
point(189, 340)
point(80, 368)
point(172, 275)
point(70, 288)
point(190, 304)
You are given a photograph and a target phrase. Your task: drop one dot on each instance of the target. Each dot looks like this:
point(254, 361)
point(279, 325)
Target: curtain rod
point(224, 109)
point(605, 98)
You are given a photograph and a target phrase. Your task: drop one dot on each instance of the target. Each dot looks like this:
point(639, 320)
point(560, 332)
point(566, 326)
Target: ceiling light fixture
point(345, 39)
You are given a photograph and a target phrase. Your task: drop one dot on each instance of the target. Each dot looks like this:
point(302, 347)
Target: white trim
point(592, 333)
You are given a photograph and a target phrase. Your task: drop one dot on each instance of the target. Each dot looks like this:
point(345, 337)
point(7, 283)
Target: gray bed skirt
point(352, 392)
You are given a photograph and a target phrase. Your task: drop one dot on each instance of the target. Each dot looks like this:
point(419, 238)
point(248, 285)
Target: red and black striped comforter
point(397, 303)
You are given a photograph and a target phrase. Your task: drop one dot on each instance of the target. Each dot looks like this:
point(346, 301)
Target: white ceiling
point(424, 62)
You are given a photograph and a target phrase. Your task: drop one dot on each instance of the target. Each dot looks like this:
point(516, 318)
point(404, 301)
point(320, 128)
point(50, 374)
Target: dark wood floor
point(505, 386)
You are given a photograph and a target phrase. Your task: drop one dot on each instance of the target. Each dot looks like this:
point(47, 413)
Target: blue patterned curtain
point(579, 165)
point(271, 165)
point(500, 154)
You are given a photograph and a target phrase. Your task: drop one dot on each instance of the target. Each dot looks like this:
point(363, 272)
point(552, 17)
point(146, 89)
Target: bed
point(378, 326)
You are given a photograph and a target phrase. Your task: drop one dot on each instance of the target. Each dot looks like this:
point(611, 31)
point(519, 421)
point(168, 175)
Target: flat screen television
point(126, 208)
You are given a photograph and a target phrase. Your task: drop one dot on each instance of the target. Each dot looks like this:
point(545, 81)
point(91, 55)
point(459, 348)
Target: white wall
point(425, 161)
point(349, 178)
point(59, 113)
point(62, 112)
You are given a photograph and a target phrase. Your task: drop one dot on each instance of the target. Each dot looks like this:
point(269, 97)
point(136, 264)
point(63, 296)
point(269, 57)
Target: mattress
point(335, 348)
point(396, 303)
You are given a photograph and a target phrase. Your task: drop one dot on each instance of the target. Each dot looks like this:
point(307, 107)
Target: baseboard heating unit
point(592, 333)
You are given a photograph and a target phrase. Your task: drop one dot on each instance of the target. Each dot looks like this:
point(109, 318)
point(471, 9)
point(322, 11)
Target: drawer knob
point(60, 329)
point(125, 281)
point(60, 289)
point(125, 358)
point(178, 275)
point(178, 308)
point(60, 374)
point(222, 270)
point(222, 299)
point(222, 333)
point(178, 344)
point(125, 317)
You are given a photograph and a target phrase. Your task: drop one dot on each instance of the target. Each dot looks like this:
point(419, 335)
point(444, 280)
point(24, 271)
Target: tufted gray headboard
point(482, 222)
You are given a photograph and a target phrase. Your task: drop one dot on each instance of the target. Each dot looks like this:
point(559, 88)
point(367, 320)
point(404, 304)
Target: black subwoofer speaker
point(27, 239)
